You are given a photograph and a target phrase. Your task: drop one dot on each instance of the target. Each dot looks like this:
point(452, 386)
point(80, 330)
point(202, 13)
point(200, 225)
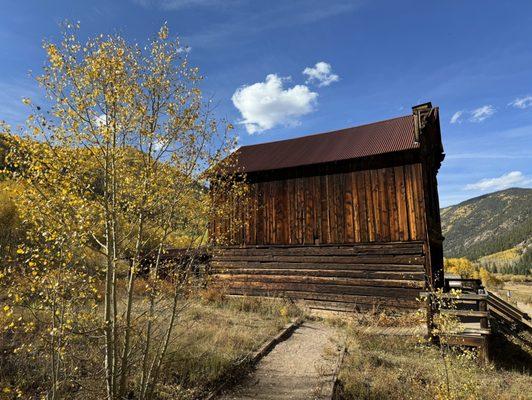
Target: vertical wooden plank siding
point(363, 216)
point(400, 201)
point(392, 204)
point(379, 205)
point(348, 210)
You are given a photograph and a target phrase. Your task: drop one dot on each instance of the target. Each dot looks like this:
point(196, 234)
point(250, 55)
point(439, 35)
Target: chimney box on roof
point(420, 112)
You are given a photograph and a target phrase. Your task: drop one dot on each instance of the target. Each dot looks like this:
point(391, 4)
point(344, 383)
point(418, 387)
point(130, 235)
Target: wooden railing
point(470, 306)
point(474, 303)
point(508, 312)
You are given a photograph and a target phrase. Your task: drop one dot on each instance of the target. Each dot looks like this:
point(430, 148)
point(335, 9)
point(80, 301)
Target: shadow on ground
point(511, 349)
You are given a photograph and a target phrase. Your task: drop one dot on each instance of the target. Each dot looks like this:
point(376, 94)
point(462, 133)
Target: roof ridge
point(326, 133)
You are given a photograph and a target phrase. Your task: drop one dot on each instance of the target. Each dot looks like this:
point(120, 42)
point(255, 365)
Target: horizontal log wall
point(328, 276)
point(359, 206)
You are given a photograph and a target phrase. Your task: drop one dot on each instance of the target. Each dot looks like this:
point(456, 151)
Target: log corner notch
point(343, 218)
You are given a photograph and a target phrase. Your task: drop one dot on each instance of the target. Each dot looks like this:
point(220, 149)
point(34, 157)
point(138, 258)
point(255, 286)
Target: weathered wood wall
point(337, 277)
point(364, 231)
point(373, 205)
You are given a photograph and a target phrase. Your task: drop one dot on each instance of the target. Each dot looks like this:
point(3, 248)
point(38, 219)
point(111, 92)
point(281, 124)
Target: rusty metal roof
point(382, 137)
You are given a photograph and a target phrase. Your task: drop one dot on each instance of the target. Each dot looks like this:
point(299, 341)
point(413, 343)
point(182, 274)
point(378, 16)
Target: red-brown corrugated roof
point(387, 136)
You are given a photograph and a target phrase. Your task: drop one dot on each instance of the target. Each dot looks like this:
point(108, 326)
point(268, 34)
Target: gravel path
point(299, 368)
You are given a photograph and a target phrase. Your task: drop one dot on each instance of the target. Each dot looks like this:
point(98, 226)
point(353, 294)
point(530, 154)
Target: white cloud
point(457, 117)
point(158, 144)
point(101, 120)
point(514, 178)
point(522, 102)
point(482, 113)
point(321, 74)
point(264, 105)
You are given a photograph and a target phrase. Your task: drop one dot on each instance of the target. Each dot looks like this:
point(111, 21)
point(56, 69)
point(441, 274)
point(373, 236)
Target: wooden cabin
point(341, 219)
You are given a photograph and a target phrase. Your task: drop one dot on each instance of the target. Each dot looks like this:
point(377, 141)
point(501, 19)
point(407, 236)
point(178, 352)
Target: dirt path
point(299, 368)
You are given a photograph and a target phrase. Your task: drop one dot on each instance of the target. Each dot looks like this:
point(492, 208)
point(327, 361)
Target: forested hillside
point(495, 228)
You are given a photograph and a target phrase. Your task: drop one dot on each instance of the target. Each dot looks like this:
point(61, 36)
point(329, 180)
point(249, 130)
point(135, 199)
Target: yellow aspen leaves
point(115, 168)
point(163, 33)
point(54, 56)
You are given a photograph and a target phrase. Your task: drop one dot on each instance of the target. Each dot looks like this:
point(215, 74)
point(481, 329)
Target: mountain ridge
point(488, 224)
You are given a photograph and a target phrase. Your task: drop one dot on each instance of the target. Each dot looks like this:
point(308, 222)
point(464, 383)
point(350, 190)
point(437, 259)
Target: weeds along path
point(301, 367)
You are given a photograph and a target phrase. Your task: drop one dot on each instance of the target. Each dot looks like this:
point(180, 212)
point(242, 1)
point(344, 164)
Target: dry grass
point(514, 278)
point(388, 367)
point(379, 318)
point(213, 338)
point(520, 294)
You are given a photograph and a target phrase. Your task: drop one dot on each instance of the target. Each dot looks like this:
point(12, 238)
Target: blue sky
point(364, 60)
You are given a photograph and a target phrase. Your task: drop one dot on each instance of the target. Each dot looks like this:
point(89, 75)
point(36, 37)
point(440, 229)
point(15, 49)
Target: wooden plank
point(348, 273)
point(369, 206)
point(375, 199)
point(317, 209)
point(355, 207)
point(383, 204)
point(255, 206)
point(247, 218)
point(325, 237)
point(299, 206)
point(376, 249)
point(348, 210)
point(469, 333)
point(340, 207)
point(260, 213)
point(462, 296)
point(392, 204)
point(420, 197)
point(331, 181)
point(326, 251)
point(361, 194)
point(411, 203)
point(316, 266)
point(267, 212)
point(400, 194)
point(283, 213)
point(289, 211)
point(336, 298)
point(410, 244)
point(495, 301)
point(331, 199)
point(308, 211)
point(408, 293)
point(326, 280)
point(369, 259)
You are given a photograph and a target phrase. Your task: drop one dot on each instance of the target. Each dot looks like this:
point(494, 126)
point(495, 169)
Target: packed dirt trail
point(300, 368)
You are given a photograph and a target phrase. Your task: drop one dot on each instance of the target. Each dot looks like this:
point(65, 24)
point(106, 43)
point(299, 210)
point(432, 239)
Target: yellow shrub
point(489, 280)
point(460, 266)
point(10, 224)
